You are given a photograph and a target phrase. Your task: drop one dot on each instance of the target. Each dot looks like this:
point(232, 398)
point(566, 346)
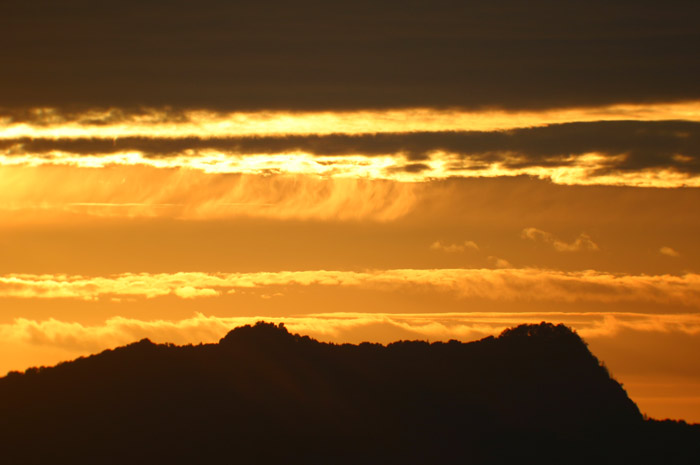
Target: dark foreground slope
point(263, 395)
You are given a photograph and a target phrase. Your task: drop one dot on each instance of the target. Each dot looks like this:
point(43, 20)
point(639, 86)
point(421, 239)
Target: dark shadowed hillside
point(263, 395)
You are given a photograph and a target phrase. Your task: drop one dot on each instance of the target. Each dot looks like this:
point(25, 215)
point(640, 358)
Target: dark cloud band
point(305, 55)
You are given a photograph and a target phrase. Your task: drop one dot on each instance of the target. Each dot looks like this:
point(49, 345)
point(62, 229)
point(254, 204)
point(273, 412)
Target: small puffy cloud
point(499, 262)
point(271, 296)
point(668, 251)
point(582, 242)
point(454, 248)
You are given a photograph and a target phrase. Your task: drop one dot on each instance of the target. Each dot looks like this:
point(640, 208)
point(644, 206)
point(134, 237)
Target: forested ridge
point(263, 395)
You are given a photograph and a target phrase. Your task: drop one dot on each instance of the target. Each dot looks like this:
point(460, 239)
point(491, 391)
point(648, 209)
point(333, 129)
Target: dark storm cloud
point(338, 55)
point(644, 145)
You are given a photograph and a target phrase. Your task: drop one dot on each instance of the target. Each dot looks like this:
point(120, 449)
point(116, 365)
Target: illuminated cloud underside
point(50, 123)
point(585, 169)
point(527, 284)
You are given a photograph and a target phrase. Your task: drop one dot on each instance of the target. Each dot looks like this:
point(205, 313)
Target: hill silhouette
point(263, 395)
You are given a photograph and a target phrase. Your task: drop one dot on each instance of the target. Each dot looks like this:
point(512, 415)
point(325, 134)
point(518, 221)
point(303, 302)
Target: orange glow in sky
point(354, 223)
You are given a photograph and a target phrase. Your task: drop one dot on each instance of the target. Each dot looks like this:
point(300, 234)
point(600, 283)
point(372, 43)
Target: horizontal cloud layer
point(508, 284)
point(117, 123)
point(637, 153)
point(587, 169)
point(359, 54)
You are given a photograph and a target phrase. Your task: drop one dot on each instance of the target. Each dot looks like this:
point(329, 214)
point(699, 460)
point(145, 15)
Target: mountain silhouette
point(262, 395)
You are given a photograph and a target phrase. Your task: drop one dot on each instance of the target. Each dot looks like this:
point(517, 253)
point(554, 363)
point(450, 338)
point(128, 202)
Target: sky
point(361, 171)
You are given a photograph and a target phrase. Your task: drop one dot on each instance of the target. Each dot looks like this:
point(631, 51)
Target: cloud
point(503, 55)
point(507, 284)
point(137, 191)
point(582, 242)
point(517, 140)
point(454, 248)
point(499, 262)
point(589, 169)
point(663, 128)
point(638, 153)
point(668, 251)
point(189, 292)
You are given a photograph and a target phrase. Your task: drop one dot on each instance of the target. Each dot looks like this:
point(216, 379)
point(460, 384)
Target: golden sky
point(447, 183)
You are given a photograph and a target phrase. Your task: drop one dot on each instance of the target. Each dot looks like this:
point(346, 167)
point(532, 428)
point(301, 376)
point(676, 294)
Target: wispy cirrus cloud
point(131, 191)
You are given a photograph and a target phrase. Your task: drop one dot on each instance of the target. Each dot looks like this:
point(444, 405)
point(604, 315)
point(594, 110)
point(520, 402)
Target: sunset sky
point(357, 170)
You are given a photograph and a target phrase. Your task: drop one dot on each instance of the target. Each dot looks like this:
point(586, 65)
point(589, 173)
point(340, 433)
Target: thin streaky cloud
point(127, 204)
point(203, 124)
point(502, 284)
